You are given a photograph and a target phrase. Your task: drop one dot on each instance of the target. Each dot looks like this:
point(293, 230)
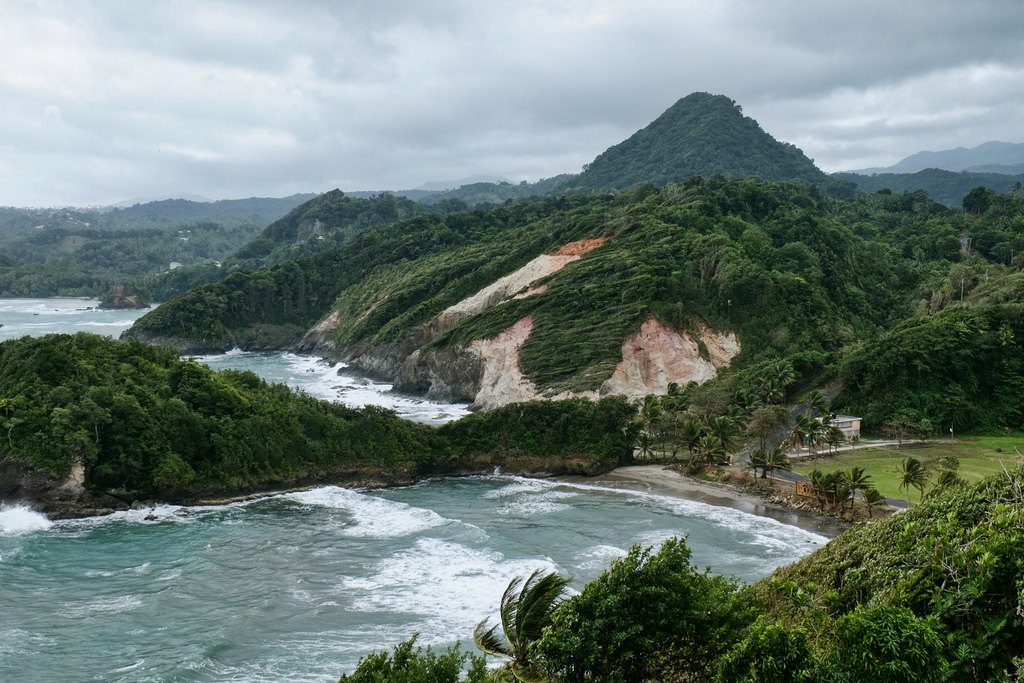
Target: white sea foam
point(330, 381)
point(18, 519)
point(129, 668)
point(447, 586)
point(598, 557)
point(372, 517)
point(114, 605)
point(164, 514)
point(778, 538)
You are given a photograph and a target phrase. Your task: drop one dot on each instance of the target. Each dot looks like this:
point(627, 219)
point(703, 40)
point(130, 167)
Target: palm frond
point(489, 641)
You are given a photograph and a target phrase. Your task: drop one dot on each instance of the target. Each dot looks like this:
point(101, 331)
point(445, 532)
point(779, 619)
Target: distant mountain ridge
point(945, 187)
point(988, 157)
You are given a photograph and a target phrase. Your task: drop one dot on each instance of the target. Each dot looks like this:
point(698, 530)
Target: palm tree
point(818, 403)
point(833, 436)
point(913, 475)
point(526, 609)
point(873, 499)
point(774, 383)
point(756, 463)
point(803, 433)
point(776, 459)
point(711, 449)
point(947, 479)
point(724, 427)
point(858, 481)
point(689, 434)
point(644, 441)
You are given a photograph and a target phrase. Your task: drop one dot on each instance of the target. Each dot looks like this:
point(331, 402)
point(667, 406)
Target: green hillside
point(700, 135)
point(945, 187)
point(145, 424)
point(321, 223)
point(87, 252)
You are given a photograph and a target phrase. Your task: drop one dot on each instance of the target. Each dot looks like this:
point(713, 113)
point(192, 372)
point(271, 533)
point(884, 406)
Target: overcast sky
point(106, 101)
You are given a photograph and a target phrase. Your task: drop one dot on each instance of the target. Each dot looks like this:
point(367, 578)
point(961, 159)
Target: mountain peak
point(701, 134)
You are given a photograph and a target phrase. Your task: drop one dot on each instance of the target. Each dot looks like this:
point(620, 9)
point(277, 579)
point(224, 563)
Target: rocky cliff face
point(657, 356)
point(57, 498)
point(487, 371)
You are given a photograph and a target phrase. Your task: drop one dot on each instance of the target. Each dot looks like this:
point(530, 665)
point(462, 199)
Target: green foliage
point(889, 644)
point(946, 187)
point(409, 665)
point(949, 573)
point(147, 424)
point(85, 252)
point(289, 298)
point(963, 367)
point(650, 617)
point(144, 422)
point(770, 653)
point(600, 430)
point(323, 223)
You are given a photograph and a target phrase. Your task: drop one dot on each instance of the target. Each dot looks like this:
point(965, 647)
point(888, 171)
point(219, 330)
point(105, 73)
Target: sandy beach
point(657, 479)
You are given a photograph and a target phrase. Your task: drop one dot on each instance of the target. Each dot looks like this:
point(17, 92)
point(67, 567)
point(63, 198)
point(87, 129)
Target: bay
point(300, 586)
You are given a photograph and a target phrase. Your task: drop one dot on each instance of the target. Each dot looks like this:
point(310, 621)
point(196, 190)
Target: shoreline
point(653, 479)
point(659, 480)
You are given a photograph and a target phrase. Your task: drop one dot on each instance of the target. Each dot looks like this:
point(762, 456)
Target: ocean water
point(38, 317)
point(299, 587)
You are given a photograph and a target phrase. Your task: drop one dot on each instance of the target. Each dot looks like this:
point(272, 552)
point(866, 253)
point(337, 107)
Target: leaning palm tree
point(756, 463)
point(526, 608)
point(776, 459)
point(858, 480)
point(872, 500)
point(913, 475)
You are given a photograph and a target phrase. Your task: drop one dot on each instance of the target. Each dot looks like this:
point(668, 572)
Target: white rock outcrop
point(657, 356)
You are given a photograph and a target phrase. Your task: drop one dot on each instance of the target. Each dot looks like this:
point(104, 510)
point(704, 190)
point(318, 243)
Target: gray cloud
point(110, 100)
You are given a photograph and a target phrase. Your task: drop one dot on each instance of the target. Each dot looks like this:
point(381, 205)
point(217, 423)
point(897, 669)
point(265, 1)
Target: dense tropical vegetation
point(874, 287)
point(146, 424)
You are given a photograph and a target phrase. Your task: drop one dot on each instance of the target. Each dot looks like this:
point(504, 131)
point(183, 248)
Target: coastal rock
point(58, 498)
point(123, 297)
point(487, 372)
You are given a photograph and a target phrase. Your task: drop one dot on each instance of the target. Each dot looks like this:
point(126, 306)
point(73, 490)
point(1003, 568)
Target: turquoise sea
point(298, 587)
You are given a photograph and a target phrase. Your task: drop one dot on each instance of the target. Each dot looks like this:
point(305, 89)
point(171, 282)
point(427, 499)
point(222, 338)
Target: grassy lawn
point(979, 457)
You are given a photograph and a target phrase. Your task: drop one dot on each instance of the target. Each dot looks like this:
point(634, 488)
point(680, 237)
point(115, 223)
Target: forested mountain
point(742, 270)
point(325, 222)
point(700, 135)
point(86, 252)
point(945, 187)
point(87, 261)
point(164, 213)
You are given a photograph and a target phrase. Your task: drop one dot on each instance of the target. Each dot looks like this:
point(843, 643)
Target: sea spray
point(19, 519)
